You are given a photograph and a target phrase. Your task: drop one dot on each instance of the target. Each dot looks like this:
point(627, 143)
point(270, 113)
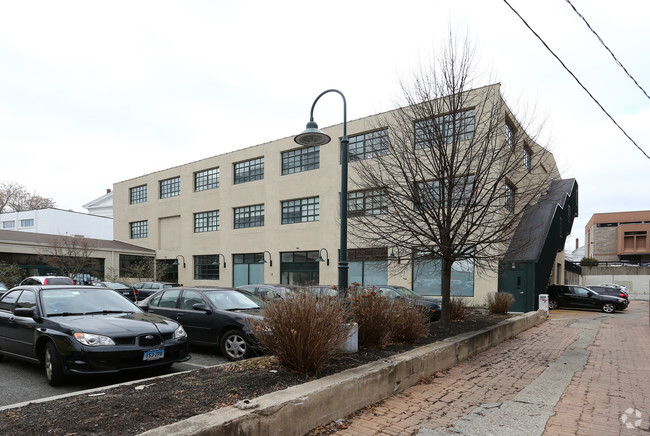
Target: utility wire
point(576, 79)
point(607, 48)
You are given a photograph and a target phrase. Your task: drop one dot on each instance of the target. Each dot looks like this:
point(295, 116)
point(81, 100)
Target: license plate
point(154, 354)
point(125, 292)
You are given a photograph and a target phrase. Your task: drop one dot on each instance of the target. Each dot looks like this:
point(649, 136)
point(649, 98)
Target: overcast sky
point(93, 93)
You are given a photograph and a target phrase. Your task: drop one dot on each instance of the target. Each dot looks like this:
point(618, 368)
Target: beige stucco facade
point(171, 221)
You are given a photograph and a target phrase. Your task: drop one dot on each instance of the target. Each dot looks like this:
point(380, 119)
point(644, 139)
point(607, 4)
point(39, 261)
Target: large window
point(248, 269)
point(368, 266)
point(300, 211)
point(138, 194)
point(299, 268)
point(427, 277)
point(302, 159)
point(170, 187)
point(27, 222)
point(367, 202)
point(206, 267)
point(458, 126)
point(139, 229)
point(8, 224)
point(130, 264)
point(206, 221)
point(249, 170)
point(368, 145)
point(434, 194)
point(249, 216)
point(208, 179)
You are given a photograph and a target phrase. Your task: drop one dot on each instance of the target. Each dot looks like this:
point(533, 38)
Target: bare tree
point(454, 174)
point(148, 268)
point(70, 255)
point(15, 198)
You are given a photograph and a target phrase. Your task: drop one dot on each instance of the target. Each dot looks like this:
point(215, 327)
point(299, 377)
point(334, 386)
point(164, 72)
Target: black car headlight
point(93, 340)
point(180, 333)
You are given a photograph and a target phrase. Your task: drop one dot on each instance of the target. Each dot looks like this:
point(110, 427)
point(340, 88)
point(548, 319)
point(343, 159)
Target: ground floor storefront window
point(299, 268)
point(427, 277)
point(248, 269)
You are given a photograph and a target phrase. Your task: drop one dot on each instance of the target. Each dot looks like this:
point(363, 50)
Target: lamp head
point(312, 136)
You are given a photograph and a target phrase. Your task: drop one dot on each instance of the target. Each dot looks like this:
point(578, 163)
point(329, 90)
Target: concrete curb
point(298, 409)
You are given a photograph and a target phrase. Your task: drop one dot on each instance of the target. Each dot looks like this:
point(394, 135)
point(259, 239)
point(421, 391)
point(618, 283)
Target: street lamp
point(264, 260)
point(320, 257)
point(216, 261)
point(312, 136)
point(176, 261)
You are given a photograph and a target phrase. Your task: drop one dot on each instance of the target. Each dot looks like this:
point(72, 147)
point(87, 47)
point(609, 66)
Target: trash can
point(543, 303)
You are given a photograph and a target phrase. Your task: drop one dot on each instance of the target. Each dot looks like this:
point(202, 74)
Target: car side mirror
point(25, 311)
point(203, 307)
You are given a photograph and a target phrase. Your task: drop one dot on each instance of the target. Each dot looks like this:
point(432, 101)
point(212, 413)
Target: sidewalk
point(581, 372)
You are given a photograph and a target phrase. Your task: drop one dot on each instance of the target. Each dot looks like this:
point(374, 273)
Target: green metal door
point(514, 282)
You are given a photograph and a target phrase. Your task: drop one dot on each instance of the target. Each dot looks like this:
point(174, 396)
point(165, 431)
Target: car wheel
point(234, 346)
point(608, 308)
point(53, 363)
point(552, 304)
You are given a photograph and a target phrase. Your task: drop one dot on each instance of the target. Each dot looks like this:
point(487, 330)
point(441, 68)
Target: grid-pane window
point(368, 145)
point(368, 202)
point(27, 222)
point(510, 136)
point(208, 179)
point(510, 197)
point(528, 158)
point(138, 194)
point(139, 229)
point(249, 216)
point(249, 170)
point(434, 194)
point(302, 159)
point(300, 211)
point(458, 126)
point(206, 221)
point(206, 267)
point(8, 224)
point(170, 187)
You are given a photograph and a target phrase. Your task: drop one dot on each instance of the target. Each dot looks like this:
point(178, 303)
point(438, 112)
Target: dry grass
point(500, 302)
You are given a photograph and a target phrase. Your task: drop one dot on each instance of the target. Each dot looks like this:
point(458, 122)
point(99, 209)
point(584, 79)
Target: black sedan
point(85, 330)
point(579, 296)
point(121, 288)
point(211, 316)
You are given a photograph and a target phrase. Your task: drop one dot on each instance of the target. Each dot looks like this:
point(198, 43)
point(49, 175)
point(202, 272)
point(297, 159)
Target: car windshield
point(406, 292)
point(233, 300)
point(80, 301)
point(115, 285)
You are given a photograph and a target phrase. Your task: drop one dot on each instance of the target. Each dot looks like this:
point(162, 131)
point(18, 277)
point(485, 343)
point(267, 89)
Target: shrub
point(500, 302)
point(302, 330)
point(588, 261)
point(458, 309)
point(408, 322)
point(373, 313)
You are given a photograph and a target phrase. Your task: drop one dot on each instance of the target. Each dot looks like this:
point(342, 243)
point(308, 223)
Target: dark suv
point(579, 296)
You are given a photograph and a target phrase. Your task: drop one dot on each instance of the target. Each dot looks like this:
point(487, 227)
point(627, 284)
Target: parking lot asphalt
point(580, 373)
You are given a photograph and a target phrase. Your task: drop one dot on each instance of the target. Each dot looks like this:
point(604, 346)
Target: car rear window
point(58, 281)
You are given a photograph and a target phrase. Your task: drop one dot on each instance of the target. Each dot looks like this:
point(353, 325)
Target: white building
point(54, 221)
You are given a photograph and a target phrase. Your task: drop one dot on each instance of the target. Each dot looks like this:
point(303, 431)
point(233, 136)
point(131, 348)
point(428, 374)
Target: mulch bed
point(133, 409)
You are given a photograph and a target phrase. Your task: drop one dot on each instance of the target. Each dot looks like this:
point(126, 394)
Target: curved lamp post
point(312, 136)
point(264, 260)
point(216, 261)
point(176, 261)
point(320, 256)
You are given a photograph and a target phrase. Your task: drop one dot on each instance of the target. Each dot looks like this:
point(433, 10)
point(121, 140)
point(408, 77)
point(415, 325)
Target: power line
point(607, 48)
point(576, 79)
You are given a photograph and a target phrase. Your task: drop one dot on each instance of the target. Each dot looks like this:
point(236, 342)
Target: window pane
point(302, 159)
point(170, 187)
point(249, 171)
point(208, 179)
